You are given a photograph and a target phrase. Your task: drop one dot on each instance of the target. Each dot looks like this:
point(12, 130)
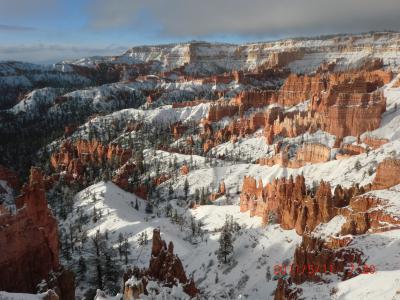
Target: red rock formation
point(313, 153)
point(350, 149)
point(165, 267)
point(308, 153)
point(10, 177)
point(387, 174)
point(221, 110)
point(75, 157)
point(374, 143)
point(184, 170)
point(28, 240)
point(366, 213)
point(122, 175)
point(290, 202)
point(221, 192)
point(177, 129)
point(316, 252)
point(208, 145)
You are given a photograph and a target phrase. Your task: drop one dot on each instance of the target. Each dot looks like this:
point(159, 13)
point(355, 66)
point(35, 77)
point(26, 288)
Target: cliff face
point(387, 174)
point(308, 153)
point(28, 240)
point(208, 58)
point(313, 153)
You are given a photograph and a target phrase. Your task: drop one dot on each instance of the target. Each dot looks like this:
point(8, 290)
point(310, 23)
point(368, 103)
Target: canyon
point(292, 145)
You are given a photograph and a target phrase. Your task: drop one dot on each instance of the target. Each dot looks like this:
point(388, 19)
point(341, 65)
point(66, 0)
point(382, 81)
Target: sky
point(47, 31)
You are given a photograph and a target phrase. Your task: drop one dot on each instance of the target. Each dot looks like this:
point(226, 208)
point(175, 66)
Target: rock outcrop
point(75, 157)
point(289, 203)
point(313, 153)
point(10, 177)
point(221, 191)
point(221, 110)
point(374, 143)
point(387, 174)
point(165, 267)
point(28, 240)
point(308, 153)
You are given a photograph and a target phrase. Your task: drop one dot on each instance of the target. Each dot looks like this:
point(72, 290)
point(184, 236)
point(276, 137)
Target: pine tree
point(186, 188)
point(197, 196)
point(125, 249)
point(82, 269)
point(149, 207)
point(96, 259)
point(120, 243)
point(136, 205)
point(203, 199)
point(170, 190)
point(225, 244)
point(111, 272)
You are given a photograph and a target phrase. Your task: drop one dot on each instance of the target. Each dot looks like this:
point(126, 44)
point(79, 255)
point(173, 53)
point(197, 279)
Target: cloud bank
point(44, 53)
point(250, 17)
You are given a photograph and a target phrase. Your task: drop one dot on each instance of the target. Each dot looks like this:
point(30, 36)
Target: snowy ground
point(256, 249)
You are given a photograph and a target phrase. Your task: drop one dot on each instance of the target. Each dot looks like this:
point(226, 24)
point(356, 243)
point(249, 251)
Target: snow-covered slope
point(257, 249)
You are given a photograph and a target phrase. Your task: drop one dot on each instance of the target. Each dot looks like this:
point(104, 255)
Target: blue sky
point(51, 30)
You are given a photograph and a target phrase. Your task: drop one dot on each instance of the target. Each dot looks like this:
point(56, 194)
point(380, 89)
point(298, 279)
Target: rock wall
point(387, 174)
point(28, 240)
point(313, 153)
point(219, 111)
point(308, 153)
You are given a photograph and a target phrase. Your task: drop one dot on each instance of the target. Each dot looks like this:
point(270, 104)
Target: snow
point(381, 251)
point(391, 118)
point(391, 197)
point(21, 296)
point(256, 248)
point(333, 227)
point(212, 57)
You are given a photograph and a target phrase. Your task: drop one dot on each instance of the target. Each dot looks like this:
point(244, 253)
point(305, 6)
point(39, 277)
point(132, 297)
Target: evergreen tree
point(136, 205)
point(186, 188)
point(170, 190)
point(197, 196)
point(225, 244)
point(97, 260)
point(82, 269)
point(120, 243)
point(149, 207)
point(111, 272)
point(125, 249)
point(203, 198)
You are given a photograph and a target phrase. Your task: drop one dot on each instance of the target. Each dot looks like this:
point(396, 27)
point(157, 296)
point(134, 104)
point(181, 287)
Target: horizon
point(125, 49)
point(48, 31)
